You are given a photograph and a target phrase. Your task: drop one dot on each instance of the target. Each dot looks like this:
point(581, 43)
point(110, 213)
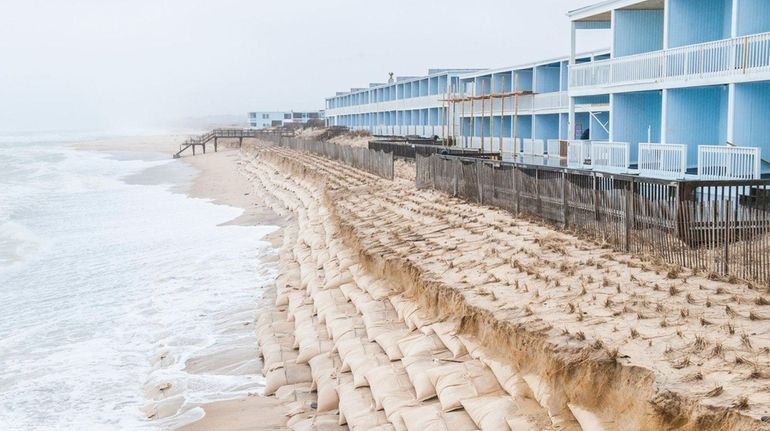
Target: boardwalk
point(215, 135)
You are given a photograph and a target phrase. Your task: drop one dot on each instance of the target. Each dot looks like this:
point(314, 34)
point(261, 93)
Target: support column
point(612, 118)
point(664, 117)
point(731, 113)
point(665, 24)
point(215, 145)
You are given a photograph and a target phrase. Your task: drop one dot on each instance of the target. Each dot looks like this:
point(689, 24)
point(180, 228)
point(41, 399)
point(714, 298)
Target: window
point(252, 115)
point(312, 115)
point(297, 115)
point(287, 116)
point(265, 116)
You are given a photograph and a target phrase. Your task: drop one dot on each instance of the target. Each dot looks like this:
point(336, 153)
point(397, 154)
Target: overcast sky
point(123, 64)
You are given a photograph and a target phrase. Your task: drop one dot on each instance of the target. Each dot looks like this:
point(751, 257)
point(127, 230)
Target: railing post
point(515, 186)
point(537, 191)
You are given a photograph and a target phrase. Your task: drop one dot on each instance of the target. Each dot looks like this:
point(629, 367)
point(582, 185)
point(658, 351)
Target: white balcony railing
point(553, 148)
point(534, 147)
point(579, 154)
point(610, 156)
point(728, 57)
point(734, 163)
point(663, 160)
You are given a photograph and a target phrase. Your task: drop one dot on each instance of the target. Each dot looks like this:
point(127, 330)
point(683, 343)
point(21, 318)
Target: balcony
point(740, 59)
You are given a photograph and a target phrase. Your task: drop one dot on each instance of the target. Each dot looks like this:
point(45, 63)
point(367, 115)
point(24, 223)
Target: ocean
point(101, 276)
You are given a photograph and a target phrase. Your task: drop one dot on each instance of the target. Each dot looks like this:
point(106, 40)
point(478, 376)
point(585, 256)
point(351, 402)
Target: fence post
point(537, 191)
point(596, 197)
point(455, 175)
point(726, 239)
point(564, 205)
point(515, 186)
point(629, 213)
point(479, 166)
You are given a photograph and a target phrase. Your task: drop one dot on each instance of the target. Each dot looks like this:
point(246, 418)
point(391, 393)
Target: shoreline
point(214, 177)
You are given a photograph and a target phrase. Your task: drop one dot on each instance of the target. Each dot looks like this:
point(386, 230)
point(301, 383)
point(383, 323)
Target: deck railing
point(553, 147)
point(720, 227)
point(663, 160)
point(610, 156)
point(579, 154)
point(722, 162)
point(533, 147)
point(728, 57)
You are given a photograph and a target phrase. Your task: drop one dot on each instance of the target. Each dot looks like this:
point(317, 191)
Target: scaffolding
point(451, 112)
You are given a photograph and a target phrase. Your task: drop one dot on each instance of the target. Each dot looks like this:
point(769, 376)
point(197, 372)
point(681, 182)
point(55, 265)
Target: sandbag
point(318, 423)
point(491, 412)
point(454, 384)
point(286, 373)
point(275, 330)
point(324, 373)
point(360, 362)
point(308, 349)
point(388, 341)
point(447, 333)
point(295, 392)
point(357, 407)
point(420, 345)
point(432, 418)
point(342, 327)
point(349, 289)
point(326, 301)
point(338, 280)
point(554, 401)
point(390, 383)
point(509, 379)
point(276, 353)
point(417, 367)
point(379, 317)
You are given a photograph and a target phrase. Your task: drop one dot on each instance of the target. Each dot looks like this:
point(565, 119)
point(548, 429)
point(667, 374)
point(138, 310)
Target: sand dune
point(590, 338)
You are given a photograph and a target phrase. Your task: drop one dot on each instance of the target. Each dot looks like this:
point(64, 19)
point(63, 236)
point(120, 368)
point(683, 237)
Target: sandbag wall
point(349, 350)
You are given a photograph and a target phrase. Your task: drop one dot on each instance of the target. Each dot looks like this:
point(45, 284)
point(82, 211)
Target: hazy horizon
point(95, 64)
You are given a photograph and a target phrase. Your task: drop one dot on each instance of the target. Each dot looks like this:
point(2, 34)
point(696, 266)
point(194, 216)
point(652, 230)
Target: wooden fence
point(378, 163)
point(720, 227)
point(408, 150)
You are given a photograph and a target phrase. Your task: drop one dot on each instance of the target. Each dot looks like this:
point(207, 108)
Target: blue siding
point(582, 122)
point(753, 17)
point(524, 127)
point(523, 80)
point(752, 122)
point(696, 116)
point(547, 78)
point(547, 126)
point(597, 131)
point(633, 114)
point(637, 31)
point(697, 21)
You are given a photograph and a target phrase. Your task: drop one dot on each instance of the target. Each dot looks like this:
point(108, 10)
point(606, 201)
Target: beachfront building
point(404, 106)
point(694, 75)
point(266, 119)
point(523, 111)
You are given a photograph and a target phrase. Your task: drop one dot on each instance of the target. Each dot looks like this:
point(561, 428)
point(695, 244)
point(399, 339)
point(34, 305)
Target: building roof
point(602, 11)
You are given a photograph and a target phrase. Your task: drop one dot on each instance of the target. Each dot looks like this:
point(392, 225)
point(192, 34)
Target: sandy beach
point(216, 178)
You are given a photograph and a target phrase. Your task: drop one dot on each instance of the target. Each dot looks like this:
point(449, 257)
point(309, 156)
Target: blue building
point(693, 75)
point(683, 89)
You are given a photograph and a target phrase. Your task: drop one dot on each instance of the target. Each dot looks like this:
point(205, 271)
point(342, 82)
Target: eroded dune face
point(405, 309)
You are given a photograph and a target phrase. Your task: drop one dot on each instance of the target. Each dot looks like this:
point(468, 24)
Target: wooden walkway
point(215, 135)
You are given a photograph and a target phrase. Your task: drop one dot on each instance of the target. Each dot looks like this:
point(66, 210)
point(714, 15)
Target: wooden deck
point(215, 135)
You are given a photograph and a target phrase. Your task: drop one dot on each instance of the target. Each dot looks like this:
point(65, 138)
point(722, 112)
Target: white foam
point(113, 276)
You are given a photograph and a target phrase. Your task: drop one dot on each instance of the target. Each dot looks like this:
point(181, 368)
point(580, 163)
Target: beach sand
point(216, 178)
